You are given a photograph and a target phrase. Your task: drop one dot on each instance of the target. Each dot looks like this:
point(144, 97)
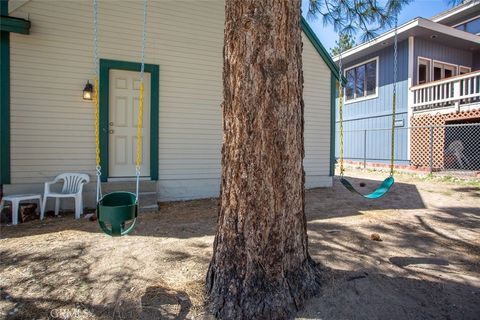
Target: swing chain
point(144, 39)
point(394, 97)
point(138, 162)
point(395, 57)
point(99, 183)
point(95, 39)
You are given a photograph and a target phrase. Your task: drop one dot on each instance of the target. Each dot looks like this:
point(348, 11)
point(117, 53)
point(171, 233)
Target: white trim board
point(463, 67)
point(410, 97)
point(15, 4)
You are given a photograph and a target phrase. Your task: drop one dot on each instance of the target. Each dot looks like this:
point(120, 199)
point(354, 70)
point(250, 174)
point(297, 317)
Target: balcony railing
point(450, 93)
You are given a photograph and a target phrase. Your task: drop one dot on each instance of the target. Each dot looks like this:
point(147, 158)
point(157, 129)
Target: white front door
point(124, 100)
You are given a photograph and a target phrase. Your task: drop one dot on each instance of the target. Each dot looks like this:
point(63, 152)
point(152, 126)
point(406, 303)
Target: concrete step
point(151, 208)
point(145, 186)
point(147, 198)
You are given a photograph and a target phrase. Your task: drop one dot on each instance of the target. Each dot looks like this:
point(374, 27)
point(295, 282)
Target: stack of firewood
point(26, 212)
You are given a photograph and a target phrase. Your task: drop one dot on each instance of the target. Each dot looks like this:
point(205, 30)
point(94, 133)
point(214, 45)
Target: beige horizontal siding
point(316, 94)
point(52, 129)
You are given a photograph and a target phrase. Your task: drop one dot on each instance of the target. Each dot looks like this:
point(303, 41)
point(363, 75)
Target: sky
point(422, 8)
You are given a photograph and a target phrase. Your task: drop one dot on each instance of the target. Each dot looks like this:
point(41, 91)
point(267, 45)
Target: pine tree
point(344, 43)
point(261, 268)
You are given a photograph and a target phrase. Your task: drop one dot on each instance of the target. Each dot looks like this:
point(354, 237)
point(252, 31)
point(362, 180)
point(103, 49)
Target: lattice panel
point(449, 142)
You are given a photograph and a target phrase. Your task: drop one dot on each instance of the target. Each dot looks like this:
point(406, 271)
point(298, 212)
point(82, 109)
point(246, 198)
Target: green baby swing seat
point(115, 210)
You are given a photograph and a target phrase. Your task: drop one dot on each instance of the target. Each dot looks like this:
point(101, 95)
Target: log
point(27, 212)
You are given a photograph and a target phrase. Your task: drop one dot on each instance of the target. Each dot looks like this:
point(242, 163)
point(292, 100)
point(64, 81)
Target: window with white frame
point(423, 72)
point(464, 70)
point(443, 70)
point(428, 70)
point(362, 80)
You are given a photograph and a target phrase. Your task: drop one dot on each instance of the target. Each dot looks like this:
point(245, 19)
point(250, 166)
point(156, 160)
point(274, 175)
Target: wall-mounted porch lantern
point(88, 92)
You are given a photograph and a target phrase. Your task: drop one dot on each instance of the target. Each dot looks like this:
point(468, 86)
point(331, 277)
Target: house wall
point(435, 51)
point(476, 61)
point(316, 95)
point(376, 113)
point(53, 129)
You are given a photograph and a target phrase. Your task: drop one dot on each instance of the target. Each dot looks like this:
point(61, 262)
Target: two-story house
point(438, 84)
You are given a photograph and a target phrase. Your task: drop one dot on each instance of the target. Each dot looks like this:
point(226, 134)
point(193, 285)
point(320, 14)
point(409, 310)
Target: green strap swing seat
point(385, 186)
point(117, 212)
point(377, 193)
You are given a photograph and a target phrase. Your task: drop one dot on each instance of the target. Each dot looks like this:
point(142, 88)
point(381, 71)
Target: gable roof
point(319, 47)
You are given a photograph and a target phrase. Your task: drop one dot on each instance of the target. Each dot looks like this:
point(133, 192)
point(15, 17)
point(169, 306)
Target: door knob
point(111, 131)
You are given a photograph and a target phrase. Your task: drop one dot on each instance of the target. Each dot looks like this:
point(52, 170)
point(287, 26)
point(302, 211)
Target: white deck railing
point(447, 93)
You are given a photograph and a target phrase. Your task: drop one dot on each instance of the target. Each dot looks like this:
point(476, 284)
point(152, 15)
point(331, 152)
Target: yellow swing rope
point(97, 123)
point(138, 162)
point(96, 85)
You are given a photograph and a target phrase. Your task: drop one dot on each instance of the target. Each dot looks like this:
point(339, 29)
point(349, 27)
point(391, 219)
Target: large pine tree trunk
point(261, 268)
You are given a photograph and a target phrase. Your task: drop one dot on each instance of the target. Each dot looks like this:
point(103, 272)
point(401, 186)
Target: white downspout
point(411, 43)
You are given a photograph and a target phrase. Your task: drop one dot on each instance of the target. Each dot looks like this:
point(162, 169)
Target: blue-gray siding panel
point(382, 105)
point(376, 113)
point(436, 51)
point(371, 138)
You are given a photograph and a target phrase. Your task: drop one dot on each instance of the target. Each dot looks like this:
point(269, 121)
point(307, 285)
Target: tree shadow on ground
point(467, 217)
point(372, 295)
point(417, 232)
point(407, 261)
point(339, 202)
point(369, 292)
point(385, 284)
point(471, 191)
point(156, 303)
point(63, 283)
point(184, 219)
point(159, 303)
point(376, 280)
point(197, 218)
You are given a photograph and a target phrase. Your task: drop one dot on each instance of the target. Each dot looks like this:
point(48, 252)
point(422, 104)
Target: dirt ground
point(427, 265)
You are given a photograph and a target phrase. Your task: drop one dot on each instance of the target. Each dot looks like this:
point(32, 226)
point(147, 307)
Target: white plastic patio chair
point(72, 188)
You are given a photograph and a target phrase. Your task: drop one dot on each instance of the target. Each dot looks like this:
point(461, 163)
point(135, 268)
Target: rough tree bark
point(260, 267)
